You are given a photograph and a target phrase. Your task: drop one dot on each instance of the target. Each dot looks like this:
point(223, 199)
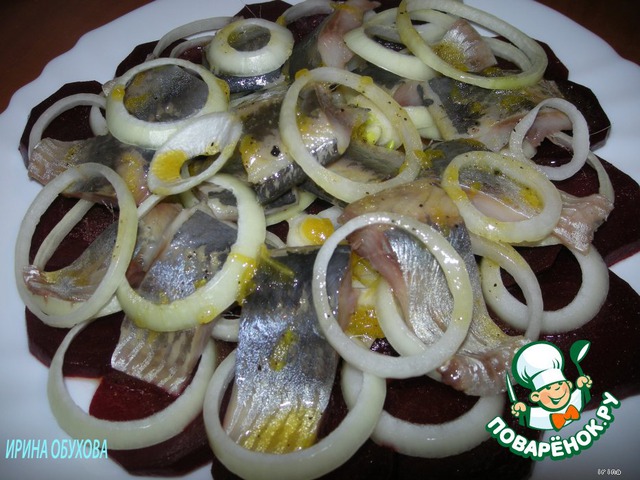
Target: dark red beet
point(79, 238)
point(615, 329)
point(585, 101)
point(70, 125)
point(614, 333)
point(89, 354)
point(619, 237)
point(121, 397)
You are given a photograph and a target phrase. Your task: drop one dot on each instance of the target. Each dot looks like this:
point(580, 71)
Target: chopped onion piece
point(132, 434)
point(225, 56)
point(340, 187)
point(531, 180)
point(129, 129)
point(531, 72)
point(211, 134)
point(221, 291)
point(457, 279)
point(62, 313)
point(312, 462)
point(585, 305)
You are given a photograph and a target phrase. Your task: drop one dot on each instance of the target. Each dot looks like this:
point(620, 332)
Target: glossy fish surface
point(51, 157)
point(198, 248)
point(421, 287)
point(285, 368)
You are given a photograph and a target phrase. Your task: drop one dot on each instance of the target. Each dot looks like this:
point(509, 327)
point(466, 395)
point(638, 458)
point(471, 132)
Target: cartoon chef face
point(539, 367)
point(553, 397)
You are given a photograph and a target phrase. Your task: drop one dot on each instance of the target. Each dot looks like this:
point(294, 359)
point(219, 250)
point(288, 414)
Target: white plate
point(23, 405)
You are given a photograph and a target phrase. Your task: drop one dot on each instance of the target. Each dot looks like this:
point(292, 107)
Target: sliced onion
point(423, 121)
point(127, 435)
point(129, 129)
point(211, 134)
point(48, 247)
point(226, 329)
point(400, 63)
point(457, 279)
point(531, 72)
point(221, 291)
point(323, 457)
point(430, 440)
point(305, 199)
point(340, 187)
point(606, 187)
point(62, 313)
point(579, 139)
point(496, 255)
point(62, 106)
point(225, 58)
point(530, 229)
point(305, 9)
point(188, 30)
point(585, 305)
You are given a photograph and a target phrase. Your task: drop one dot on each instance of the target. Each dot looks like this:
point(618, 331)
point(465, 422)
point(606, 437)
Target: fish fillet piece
point(285, 368)
point(421, 288)
point(198, 246)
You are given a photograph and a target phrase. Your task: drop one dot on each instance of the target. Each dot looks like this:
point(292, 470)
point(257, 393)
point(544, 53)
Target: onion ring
point(62, 313)
point(132, 434)
point(324, 456)
point(333, 183)
point(457, 279)
point(221, 291)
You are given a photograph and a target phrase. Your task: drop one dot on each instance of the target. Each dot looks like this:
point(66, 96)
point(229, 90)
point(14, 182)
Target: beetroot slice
point(120, 397)
point(88, 355)
point(617, 239)
point(614, 332)
point(70, 125)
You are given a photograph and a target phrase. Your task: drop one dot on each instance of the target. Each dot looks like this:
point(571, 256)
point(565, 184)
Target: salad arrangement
point(200, 177)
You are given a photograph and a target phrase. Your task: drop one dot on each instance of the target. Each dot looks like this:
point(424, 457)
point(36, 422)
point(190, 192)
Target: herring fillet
point(285, 368)
point(194, 254)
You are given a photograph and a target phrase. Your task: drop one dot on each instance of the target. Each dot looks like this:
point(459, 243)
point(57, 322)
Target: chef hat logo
point(537, 365)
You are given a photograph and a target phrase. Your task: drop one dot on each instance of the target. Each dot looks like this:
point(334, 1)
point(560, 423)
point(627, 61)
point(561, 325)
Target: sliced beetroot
point(585, 100)
point(619, 237)
point(187, 451)
point(614, 332)
point(120, 397)
point(79, 238)
point(89, 354)
point(70, 125)
point(487, 460)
